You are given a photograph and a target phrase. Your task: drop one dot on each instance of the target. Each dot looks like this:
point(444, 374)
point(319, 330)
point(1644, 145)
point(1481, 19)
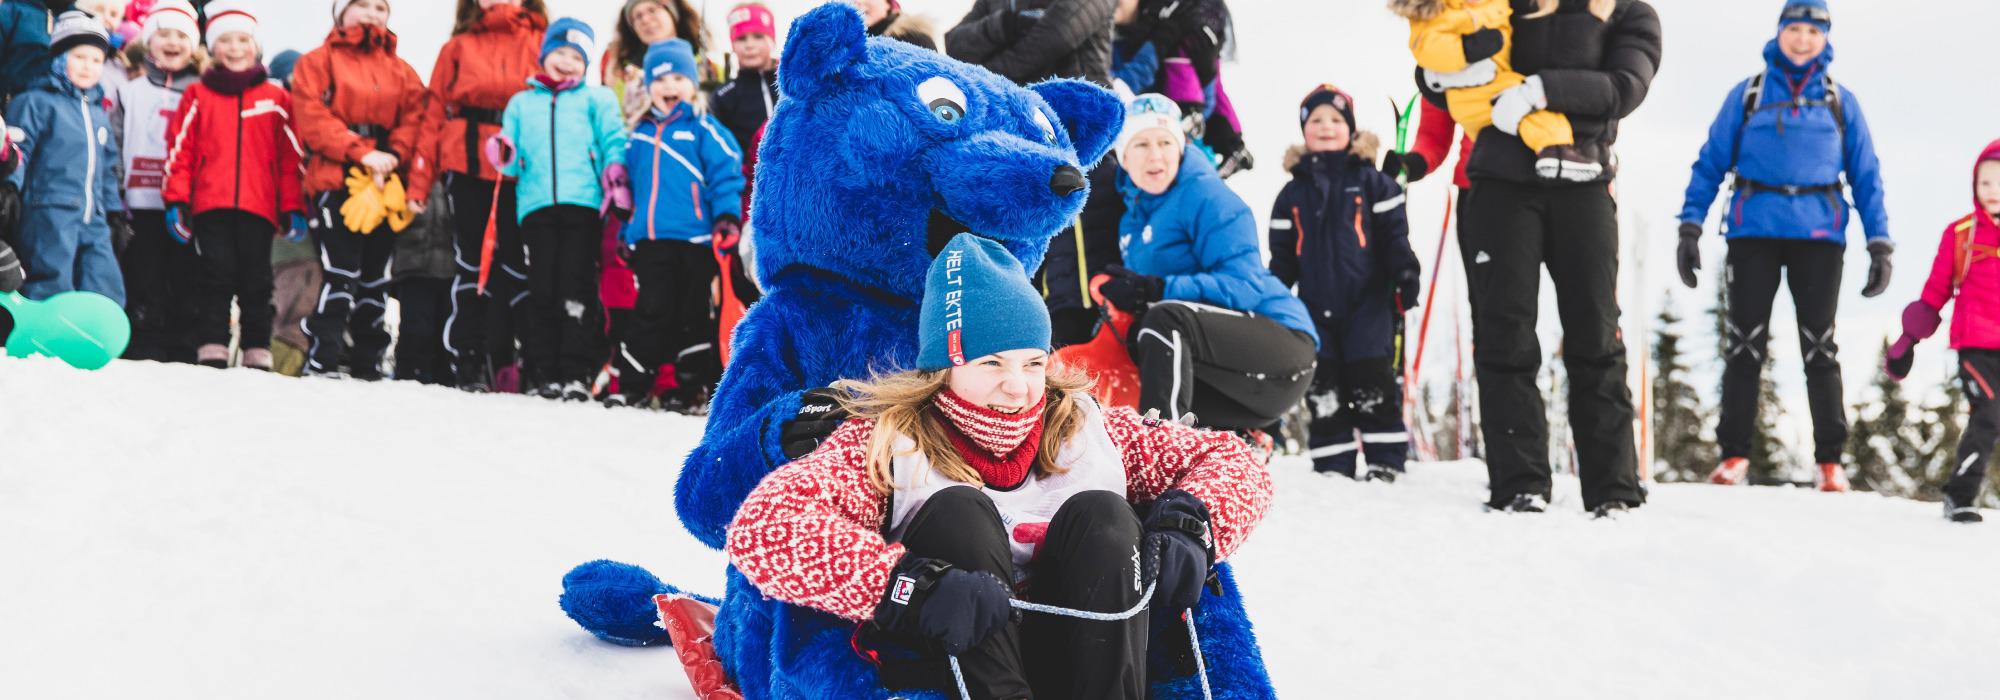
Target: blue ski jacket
point(685, 173)
point(1791, 140)
point(1202, 239)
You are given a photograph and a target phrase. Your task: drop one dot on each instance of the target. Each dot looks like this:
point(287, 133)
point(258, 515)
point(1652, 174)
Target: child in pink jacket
point(1968, 269)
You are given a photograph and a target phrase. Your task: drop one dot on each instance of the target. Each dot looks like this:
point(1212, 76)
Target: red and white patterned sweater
point(811, 532)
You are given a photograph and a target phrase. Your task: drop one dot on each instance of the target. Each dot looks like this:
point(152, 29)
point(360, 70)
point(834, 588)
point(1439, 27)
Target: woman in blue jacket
point(687, 192)
point(1220, 337)
point(1787, 136)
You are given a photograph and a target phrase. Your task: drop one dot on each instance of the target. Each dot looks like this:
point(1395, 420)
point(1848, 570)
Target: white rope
point(1200, 664)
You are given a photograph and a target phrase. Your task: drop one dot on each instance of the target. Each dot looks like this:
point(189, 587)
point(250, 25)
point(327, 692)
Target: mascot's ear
point(1093, 115)
point(822, 43)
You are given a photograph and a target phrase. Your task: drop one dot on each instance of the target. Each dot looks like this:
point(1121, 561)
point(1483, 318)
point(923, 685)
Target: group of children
point(173, 180)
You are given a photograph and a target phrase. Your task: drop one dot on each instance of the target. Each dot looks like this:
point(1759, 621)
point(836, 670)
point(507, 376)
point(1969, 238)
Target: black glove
point(1410, 165)
point(10, 210)
point(1879, 269)
point(931, 599)
point(1179, 550)
point(1482, 45)
point(121, 230)
point(820, 413)
point(1017, 24)
point(1409, 290)
point(1688, 258)
point(1130, 291)
point(1899, 366)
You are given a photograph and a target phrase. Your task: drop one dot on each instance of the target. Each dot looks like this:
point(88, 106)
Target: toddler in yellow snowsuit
point(1438, 31)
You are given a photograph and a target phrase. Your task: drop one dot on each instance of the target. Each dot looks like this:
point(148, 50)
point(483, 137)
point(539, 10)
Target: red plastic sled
point(729, 308)
point(1105, 358)
point(691, 624)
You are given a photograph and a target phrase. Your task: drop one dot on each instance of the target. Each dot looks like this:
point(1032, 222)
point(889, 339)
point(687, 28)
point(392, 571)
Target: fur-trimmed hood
point(1366, 146)
point(1416, 9)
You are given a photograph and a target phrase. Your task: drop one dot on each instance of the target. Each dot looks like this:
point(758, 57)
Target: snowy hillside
point(179, 532)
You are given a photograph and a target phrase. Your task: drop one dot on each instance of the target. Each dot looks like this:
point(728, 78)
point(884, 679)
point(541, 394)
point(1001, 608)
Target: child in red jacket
point(1967, 268)
point(232, 182)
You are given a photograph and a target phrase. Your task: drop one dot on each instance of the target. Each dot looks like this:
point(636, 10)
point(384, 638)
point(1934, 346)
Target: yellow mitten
point(363, 212)
point(397, 204)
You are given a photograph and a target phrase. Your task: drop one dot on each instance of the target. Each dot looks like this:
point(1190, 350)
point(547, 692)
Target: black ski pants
point(481, 329)
point(235, 250)
point(1812, 270)
point(420, 354)
point(1511, 231)
point(564, 322)
point(1979, 370)
point(1088, 561)
point(354, 290)
point(672, 320)
point(1232, 370)
point(160, 275)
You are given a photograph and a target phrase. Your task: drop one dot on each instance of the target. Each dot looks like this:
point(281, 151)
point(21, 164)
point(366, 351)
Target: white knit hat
point(225, 17)
point(171, 14)
point(1147, 112)
point(340, 6)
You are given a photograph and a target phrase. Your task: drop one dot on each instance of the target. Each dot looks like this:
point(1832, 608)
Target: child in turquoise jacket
point(562, 141)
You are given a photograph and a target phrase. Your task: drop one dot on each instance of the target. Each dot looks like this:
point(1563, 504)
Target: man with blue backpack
point(1787, 135)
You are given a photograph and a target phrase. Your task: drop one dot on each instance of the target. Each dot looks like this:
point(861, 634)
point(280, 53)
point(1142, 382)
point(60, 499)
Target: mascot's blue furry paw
point(615, 602)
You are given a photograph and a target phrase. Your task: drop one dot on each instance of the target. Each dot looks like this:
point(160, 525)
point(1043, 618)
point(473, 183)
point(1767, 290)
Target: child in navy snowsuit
point(68, 174)
point(687, 185)
point(1339, 232)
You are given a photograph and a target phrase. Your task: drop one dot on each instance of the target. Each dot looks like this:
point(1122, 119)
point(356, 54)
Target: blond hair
point(901, 405)
point(1602, 9)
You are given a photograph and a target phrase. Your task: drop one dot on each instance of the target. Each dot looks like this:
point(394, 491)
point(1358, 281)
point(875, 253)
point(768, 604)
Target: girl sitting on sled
point(978, 479)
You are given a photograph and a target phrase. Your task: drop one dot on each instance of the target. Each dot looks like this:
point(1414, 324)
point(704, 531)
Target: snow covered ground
point(179, 532)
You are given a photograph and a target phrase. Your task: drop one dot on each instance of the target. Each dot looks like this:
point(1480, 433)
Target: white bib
point(1092, 461)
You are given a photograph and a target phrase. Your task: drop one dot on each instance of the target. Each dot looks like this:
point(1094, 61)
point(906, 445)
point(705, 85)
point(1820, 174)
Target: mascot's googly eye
point(943, 98)
point(1048, 129)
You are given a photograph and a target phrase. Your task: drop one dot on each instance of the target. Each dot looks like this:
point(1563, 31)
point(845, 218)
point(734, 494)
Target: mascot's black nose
point(1066, 181)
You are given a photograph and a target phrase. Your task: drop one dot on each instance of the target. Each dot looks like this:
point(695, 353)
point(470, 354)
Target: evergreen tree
point(1888, 449)
point(1680, 442)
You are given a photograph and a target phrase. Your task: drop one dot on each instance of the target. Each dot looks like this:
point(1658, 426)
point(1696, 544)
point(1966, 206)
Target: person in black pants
point(1794, 145)
point(422, 273)
point(353, 295)
point(159, 291)
point(235, 250)
point(1594, 62)
point(562, 297)
point(482, 326)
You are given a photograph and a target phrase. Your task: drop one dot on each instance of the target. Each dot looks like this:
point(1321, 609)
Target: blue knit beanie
point(977, 302)
point(1813, 12)
point(569, 32)
point(668, 57)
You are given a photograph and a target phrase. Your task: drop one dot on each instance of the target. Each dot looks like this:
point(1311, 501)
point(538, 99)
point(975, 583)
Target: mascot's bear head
point(881, 151)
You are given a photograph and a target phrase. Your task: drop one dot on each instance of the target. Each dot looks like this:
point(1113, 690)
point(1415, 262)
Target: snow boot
point(1610, 510)
point(257, 359)
point(367, 373)
point(1961, 514)
point(1831, 478)
point(550, 391)
point(213, 355)
point(1567, 163)
point(575, 391)
point(1387, 475)
point(1523, 503)
point(310, 373)
point(1735, 470)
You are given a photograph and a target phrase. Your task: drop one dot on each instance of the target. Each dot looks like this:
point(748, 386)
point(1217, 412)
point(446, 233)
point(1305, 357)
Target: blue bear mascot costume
point(878, 154)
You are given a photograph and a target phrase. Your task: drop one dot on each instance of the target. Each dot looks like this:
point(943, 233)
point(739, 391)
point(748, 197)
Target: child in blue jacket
point(1339, 232)
point(687, 185)
point(561, 139)
point(68, 173)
